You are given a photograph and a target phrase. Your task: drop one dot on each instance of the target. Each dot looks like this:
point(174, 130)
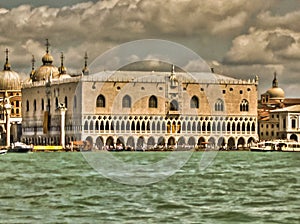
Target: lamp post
point(7, 107)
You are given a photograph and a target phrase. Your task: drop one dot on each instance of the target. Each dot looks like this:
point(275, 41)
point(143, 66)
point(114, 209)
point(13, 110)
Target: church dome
point(276, 93)
point(47, 70)
point(47, 59)
point(9, 79)
point(44, 72)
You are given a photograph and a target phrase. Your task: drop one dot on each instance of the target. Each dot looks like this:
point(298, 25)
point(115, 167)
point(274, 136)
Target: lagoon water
point(238, 187)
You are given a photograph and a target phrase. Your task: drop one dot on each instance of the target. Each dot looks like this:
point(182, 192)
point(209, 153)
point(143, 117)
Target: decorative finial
point(32, 62)
point(173, 68)
point(275, 81)
point(62, 59)
point(85, 70)
point(47, 45)
point(6, 65)
point(85, 59)
point(6, 53)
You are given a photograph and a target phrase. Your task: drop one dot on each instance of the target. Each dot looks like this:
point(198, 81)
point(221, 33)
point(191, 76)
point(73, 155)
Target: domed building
point(10, 103)
point(47, 70)
point(274, 95)
point(278, 116)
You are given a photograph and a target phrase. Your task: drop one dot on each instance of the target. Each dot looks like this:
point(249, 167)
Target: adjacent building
point(278, 116)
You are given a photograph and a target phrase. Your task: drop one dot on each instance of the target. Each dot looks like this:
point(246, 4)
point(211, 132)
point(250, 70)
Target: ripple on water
point(238, 187)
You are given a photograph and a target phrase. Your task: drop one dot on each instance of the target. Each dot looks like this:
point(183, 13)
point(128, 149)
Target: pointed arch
point(152, 102)
point(100, 102)
point(219, 105)
point(126, 101)
point(244, 105)
point(194, 103)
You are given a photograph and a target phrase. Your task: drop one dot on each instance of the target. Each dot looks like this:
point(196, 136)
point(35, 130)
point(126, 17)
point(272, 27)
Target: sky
point(238, 38)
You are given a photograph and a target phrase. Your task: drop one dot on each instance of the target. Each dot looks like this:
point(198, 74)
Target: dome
point(47, 59)
point(44, 72)
point(276, 93)
point(47, 70)
point(9, 80)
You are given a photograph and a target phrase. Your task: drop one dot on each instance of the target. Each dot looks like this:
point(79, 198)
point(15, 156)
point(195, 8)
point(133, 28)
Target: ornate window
point(194, 102)
point(174, 105)
point(244, 106)
point(100, 101)
point(126, 102)
point(219, 105)
point(152, 102)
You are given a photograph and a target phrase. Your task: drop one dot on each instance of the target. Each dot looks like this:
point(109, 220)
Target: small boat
point(3, 151)
point(265, 146)
point(19, 147)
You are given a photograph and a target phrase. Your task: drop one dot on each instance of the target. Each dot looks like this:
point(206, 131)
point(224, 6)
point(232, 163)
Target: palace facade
point(137, 108)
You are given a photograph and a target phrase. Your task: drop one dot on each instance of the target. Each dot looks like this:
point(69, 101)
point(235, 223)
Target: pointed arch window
point(244, 105)
point(152, 102)
point(100, 101)
point(126, 102)
point(219, 105)
point(194, 102)
point(174, 105)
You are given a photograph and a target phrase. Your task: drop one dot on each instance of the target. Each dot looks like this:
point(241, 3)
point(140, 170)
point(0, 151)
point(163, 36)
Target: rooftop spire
point(32, 62)
point(62, 69)
point(62, 59)
point(6, 65)
point(47, 45)
point(275, 81)
point(47, 58)
point(85, 70)
point(32, 67)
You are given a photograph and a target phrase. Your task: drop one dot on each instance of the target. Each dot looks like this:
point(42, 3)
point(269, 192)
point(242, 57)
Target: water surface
point(239, 187)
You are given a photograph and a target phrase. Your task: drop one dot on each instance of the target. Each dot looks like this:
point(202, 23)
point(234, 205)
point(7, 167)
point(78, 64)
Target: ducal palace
point(137, 109)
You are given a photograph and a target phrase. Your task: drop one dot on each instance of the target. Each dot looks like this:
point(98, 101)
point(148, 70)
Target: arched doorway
point(130, 143)
point(171, 142)
point(191, 142)
point(150, 143)
point(241, 143)
point(110, 142)
point(221, 142)
point(99, 143)
point(161, 142)
point(88, 143)
point(294, 137)
point(181, 142)
point(140, 143)
point(120, 143)
point(231, 143)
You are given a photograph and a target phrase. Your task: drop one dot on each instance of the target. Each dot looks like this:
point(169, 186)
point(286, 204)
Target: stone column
point(7, 107)
point(62, 126)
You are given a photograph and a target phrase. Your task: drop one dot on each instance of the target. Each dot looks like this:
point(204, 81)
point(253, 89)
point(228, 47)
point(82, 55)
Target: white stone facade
point(142, 109)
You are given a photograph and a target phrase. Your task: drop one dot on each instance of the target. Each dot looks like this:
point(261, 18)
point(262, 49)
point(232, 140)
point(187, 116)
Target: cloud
point(217, 30)
point(264, 47)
